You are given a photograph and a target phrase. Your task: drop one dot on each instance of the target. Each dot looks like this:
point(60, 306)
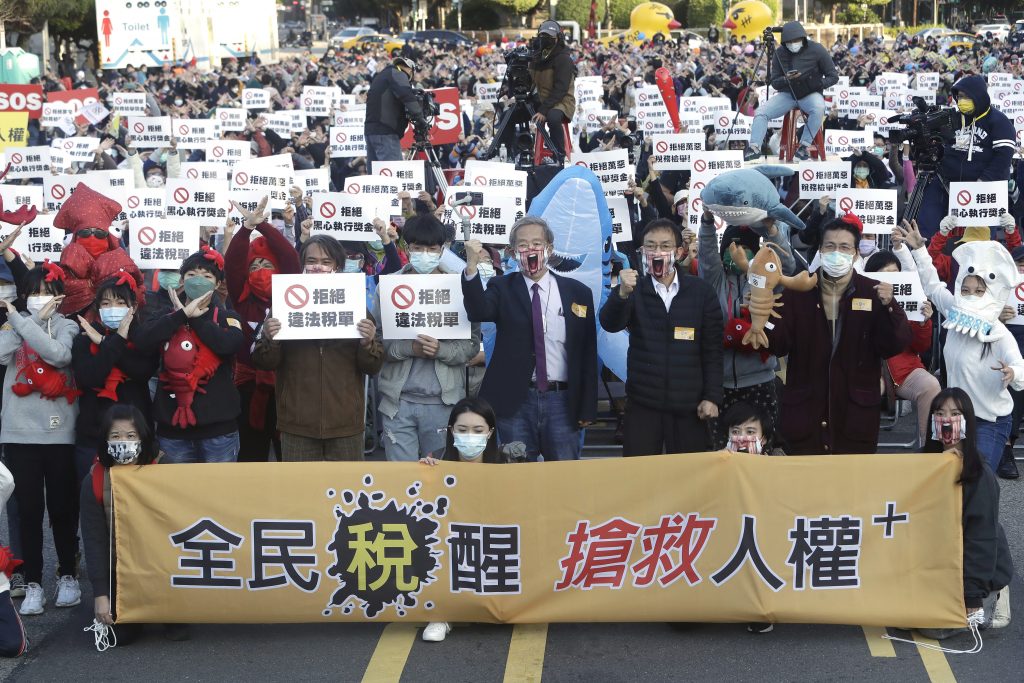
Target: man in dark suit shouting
point(542, 378)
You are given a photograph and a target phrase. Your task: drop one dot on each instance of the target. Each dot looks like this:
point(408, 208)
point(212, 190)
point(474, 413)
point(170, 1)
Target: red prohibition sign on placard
point(844, 94)
point(700, 165)
point(218, 151)
point(353, 188)
point(480, 180)
point(241, 178)
point(843, 140)
point(147, 236)
point(695, 204)
point(340, 138)
point(133, 202)
point(308, 101)
point(117, 100)
point(963, 197)
point(183, 129)
point(650, 125)
point(703, 110)
point(808, 175)
point(386, 172)
point(845, 203)
point(723, 122)
point(581, 163)
point(327, 210)
point(642, 97)
point(296, 296)
point(16, 158)
point(181, 195)
point(69, 144)
point(662, 147)
point(698, 186)
point(57, 192)
point(467, 211)
point(403, 297)
point(1019, 292)
point(223, 115)
point(192, 173)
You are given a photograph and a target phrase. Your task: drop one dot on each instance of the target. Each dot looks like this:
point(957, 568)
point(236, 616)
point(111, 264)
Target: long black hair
point(972, 462)
point(124, 411)
point(484, 410)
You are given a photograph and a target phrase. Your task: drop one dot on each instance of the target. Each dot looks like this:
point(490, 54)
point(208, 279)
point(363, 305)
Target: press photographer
point(554, 75)
point(801, 70)
point(390, 104)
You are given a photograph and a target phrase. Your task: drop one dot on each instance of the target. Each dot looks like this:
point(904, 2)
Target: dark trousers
point(44, 480)
point(1018, 412)
point(652, 432)
point(555, 120)
point(254, 444)
point(12, 632)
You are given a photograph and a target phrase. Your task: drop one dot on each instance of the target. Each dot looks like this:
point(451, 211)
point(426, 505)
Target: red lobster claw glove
point(8, 565)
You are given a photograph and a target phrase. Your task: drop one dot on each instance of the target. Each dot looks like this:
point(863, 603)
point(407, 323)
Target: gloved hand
point(947, 224)
point(1007, 223)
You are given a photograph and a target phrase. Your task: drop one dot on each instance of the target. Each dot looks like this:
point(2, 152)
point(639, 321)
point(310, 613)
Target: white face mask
point(124, 452)
point(36, 303)
point(470, 446)
point(8, 292)
point(486, 270)
point(795, 46)
point(836, 264)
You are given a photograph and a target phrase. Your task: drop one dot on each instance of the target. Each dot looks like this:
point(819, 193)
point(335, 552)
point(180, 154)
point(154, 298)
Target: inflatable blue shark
point(747, 195)
point(573, 204)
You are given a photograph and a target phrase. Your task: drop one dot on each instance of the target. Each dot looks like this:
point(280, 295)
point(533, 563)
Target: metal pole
point(46, 46)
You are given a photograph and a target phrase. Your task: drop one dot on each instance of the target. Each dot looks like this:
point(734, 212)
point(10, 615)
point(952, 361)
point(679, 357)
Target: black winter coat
point(988, 566)
point(390, 104)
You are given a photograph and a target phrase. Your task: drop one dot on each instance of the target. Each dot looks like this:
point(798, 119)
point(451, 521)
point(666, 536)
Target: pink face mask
point(745, 444)
point(316, 269)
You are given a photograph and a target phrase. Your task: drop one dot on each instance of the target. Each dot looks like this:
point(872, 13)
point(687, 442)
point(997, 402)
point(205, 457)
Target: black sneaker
point(1008, 466)
point(760, 628)
point(750, 154)
point(803, 154)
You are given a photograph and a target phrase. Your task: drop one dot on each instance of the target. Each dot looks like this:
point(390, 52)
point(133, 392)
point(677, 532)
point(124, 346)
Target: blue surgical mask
point(352, 266)
point(424, 262)
point(486, 270)
point(470, 446)
point(376, 245)
point(169, 279)
point(196, 286)
point(112, 317)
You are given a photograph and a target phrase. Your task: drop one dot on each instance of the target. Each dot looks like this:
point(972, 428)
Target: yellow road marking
point(878, 646)
point(525, 661)
point(934, 661)
point(388, 660)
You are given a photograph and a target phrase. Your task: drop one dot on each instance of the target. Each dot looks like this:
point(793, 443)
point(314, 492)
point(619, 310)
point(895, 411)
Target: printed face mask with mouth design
point(949, 430)
point(659, 264)
point(531, 261)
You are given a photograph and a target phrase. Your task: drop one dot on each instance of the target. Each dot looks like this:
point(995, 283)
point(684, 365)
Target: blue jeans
point(991, 438)
point(214, 449)
point(780, 104)
point(383, 148)
point(416, 430)
point(543, 423)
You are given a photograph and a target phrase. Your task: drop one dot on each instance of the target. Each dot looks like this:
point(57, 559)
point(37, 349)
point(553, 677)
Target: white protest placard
point(881, 120)
point(94, 112)
point(890, 80)
point(711, 164)
point(978, 204)
point(907, 290)
point(255, 98)
point(150, 131)
point(204, 170)
point(732, 126)
point(622, 226)
point(593, 120)
point(589, 91)
point(274, 181)
point(654, 122)
point(904, 99)
point(346, 216)
point(612, 168)
point(58, 115)
point(708, 108)
point(114, 180)
point(28, 162)
point(246, 199)
point(318, 306)
point(231, 118)
point(830, 93)
point(39, 240)
point(674, 152)
point(490, 214)
point(998, 79)
point(14, 196)
point(349, 119)
point(1012, 106)
point(318, 100)
point(77, 148)
point(651, 112)
point(128, 103)
point(284, 123)
point(144, 202)
point(926, 80)
point(496, 176)
point(875, 208)
point(313, 180)
point(411, 175)
point(846, 94)
point(487, 92)
point(823, 178)
point(1016, 302)
point(56, 190)
point(347, 141)
point(228, 151)
point(411, 305)
point(376, 186)
point(859, 106)
point(841, 143)
point(194, 133)
point(162, 243)
point(199, 199)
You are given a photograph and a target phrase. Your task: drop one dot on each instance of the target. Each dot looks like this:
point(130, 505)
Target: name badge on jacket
point(684, 334)
point(862, 305)
point(580, 310)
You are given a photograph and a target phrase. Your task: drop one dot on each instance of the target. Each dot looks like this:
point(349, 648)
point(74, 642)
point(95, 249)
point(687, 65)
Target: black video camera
point(430, 109)
point(518, 80)
point(928, 129)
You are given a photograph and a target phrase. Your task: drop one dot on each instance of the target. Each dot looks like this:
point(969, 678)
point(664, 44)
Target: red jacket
point(902, 364)
point(944, 263)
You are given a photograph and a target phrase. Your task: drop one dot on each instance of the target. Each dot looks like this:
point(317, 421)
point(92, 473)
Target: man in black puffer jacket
point(390, 105)
point(675, 349)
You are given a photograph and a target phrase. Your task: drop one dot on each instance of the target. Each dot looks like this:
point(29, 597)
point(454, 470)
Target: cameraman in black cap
point(554, 75)
point(390, 105)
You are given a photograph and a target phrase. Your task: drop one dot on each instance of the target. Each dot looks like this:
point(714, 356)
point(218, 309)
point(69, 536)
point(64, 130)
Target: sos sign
point(447, 125)
point(22, 98)
point(78, 99)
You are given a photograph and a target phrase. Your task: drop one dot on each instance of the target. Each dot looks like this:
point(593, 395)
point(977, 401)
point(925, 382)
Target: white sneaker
point(34, 599)
point(68, 592)
point(436, 631)
point(1001, 614)
point(17, 585)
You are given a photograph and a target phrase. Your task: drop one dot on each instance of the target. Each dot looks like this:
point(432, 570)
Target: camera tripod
point(422, 149)
point(524, 107)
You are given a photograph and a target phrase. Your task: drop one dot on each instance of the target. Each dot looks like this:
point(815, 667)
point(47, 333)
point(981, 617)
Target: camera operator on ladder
point(390, 105)
point(983, 147)
point(801, 70)
point(554, 75)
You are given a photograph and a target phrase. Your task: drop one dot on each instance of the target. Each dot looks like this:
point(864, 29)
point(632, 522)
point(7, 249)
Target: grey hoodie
point(34, 419)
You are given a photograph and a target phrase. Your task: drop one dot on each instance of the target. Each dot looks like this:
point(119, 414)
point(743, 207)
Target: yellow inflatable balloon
point(747, 20)
point(647, 20)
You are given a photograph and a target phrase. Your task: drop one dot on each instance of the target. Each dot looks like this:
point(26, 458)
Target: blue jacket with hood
point(985, 141)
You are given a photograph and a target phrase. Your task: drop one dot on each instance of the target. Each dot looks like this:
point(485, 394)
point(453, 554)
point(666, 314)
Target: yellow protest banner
point(866, 539)
point(13, 129)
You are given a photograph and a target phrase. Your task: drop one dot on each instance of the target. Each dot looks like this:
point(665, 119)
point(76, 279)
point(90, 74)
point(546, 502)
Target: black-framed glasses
point(93, 232)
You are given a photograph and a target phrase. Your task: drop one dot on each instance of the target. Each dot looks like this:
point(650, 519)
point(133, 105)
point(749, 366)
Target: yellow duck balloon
point(747, 20)
point(647, 20)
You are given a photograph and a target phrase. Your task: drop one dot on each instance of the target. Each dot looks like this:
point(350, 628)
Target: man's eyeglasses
point(829, 247)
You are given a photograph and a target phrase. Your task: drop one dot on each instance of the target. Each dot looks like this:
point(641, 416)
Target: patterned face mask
point(949, 430)
point(124, 452)
point(745, 444)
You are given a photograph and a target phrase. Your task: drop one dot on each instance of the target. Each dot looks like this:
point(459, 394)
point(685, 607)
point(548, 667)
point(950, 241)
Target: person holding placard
point(948, 227)
point(421, 378)
point(196, 405)
point(319, 383)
